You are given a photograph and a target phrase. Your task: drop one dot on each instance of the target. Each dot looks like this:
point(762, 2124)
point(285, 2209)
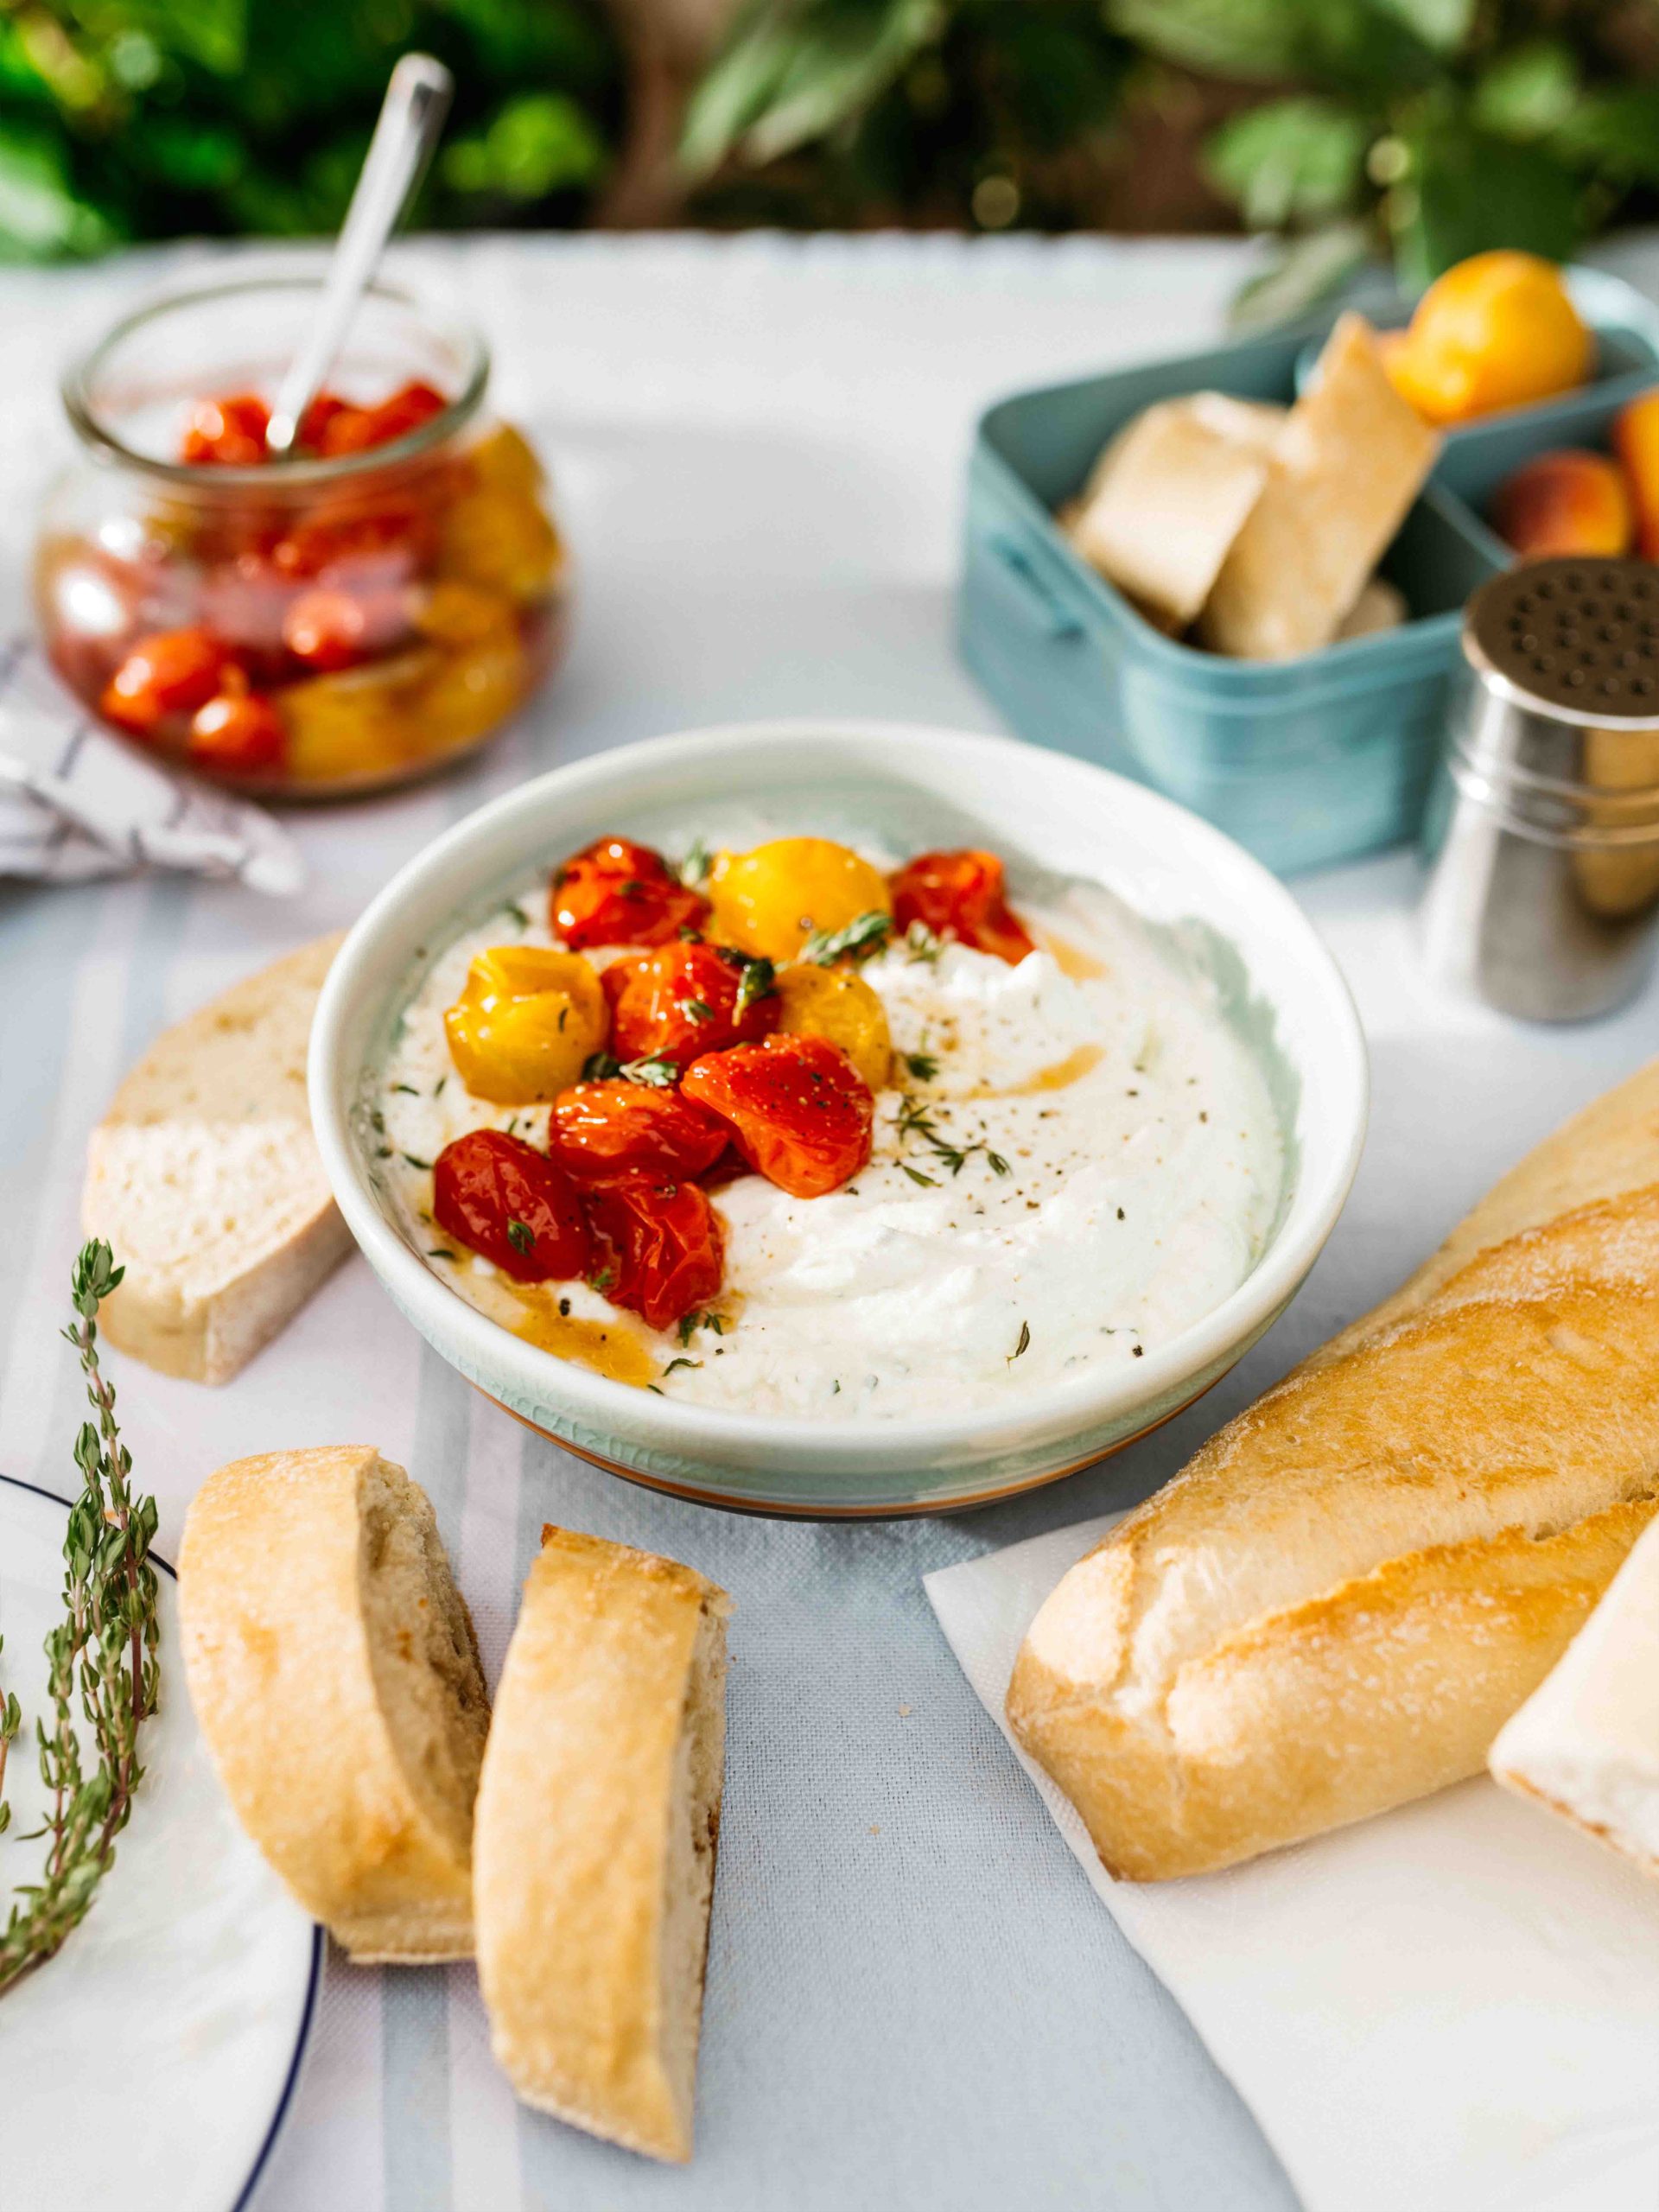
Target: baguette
point(598, 1815)
point(332, 1664)
point(204, 1179)
point(1338, 1602)
point(1585, 1744)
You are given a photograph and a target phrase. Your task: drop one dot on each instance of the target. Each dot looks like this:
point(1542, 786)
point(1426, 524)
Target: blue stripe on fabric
point(414, 2001)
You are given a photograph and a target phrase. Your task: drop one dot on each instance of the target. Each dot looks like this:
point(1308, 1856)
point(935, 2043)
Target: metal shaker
point(1542, 827)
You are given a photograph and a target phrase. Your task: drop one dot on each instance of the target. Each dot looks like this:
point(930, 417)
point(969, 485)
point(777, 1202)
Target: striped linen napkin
point(76, 802)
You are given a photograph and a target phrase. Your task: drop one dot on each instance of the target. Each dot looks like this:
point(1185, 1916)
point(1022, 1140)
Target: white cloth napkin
point(76, 802)
point(1453, 2008)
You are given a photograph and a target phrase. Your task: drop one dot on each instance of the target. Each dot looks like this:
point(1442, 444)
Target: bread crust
point(1339, 1600)
point(584, 1779)
point(213, 1125)
point(291, 1695)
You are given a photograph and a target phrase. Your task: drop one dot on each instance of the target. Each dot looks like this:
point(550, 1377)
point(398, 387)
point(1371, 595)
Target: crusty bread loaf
point(593, 1852)
point(1342, 1598)
point(204, 1179)
point(333, 1667)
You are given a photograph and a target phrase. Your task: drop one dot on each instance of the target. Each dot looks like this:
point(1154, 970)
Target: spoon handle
point(411, 117)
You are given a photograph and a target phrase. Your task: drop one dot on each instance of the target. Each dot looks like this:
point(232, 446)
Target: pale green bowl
point(1046, 814)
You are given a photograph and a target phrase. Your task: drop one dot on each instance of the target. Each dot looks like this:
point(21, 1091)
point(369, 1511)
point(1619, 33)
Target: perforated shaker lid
point(1572, 639)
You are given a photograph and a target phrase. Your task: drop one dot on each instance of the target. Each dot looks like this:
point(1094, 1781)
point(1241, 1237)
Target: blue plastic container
point(1305, 761)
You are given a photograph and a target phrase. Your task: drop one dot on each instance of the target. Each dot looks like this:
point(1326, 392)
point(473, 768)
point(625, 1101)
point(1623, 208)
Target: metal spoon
point(411, 117)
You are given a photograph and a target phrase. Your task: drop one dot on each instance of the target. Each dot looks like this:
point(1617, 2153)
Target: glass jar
point(311, 627)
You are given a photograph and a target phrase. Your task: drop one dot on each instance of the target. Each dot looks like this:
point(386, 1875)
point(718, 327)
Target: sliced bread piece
point(204, 1179)
point(593, 1852)
point(333, 1667)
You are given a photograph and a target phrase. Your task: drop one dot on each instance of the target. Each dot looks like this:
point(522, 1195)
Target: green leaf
point(538, 143)
point(1443, 25)
point(1529, 92)
point(1470, 192)
point(1290, 161)
point(794, 73)
point(1363, 44)
point(1303, 272)
point(1614, 131)
point(41, 214)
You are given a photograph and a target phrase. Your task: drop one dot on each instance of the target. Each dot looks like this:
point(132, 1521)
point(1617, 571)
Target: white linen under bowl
point(1047, 815)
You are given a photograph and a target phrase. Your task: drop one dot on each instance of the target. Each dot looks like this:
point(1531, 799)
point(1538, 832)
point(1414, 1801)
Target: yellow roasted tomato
point(840, 1007)
point(772, 900)
point(525, 1020)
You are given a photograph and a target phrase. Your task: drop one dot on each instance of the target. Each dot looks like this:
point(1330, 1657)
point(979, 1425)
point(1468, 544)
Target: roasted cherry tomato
point(835, 1003)
point(497, 1195)
point(614, 892)
point(526, 1020)
point(314, 425)
point(658, 1246)
point(357, 429)
point(227, 433)
point(238, 732)
point(328, 630)
point(169, 672)
point(600, 1130)
point(960, 895)
point(772, 900)
point(799, 1110)
point(686, 999)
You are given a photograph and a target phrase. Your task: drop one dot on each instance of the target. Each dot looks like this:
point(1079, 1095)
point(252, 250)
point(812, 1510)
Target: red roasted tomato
point(239, 732)
point(169, 672)
point(227, 433)
point(499, 1197)
point(657, 1247)
point(800, 1112)
point(357, 429)
point(959, 894)
point(617, 893)
point(600, 1130)
point(681, 1002)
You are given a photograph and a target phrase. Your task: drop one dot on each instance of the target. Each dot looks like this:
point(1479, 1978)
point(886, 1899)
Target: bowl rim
point(683, 1430)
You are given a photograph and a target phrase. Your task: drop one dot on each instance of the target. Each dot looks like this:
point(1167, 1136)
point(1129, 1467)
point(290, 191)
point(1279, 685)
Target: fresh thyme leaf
point(656, 1390)
point(697, 1009)
point(997, 1165)
point(693, 868)
point(921, 944)
point(600, 1281)
point(105, 1648)
point(658, 1072)
point(673, 1363)
point(378, 1122)
point(599, 1067)
point(860, 937)
point(408, 1088)
point(916, 1176)
point(922, 1065)
point(688, 1322)
point(382, 1152)
point(521, 1236)
point(515, 912)
point(1024, 1344)
point(437, 1088)
point(422, 1164)
point(758, 981)
point(439, 1252)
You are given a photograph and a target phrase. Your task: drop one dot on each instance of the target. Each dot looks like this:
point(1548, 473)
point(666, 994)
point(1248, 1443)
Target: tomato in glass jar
point(685, 1000)
point(658, 1249)
point(170, 672)
point(600, 1130)
point(227, 433)
point(960, 895)
point(799, 1111)
point(344, 428)
point(237, 731)
point(500, 1197)
point(614, 892)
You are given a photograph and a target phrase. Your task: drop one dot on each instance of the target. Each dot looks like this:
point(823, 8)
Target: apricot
point(1566, 502)
point(1498, 330)
point(1636, 441)
point(836, 1004)
point(526, 1020)
point(771, 900)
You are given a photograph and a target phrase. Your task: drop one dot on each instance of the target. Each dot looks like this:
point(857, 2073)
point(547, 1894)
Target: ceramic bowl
point(1045, 814)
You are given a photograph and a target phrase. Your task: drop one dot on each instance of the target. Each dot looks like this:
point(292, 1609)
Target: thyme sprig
point(105, 1648)
point(861, 936)
point(915, 1120)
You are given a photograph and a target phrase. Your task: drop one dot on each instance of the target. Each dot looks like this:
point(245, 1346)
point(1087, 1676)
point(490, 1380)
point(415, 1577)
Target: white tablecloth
point(914, 1999)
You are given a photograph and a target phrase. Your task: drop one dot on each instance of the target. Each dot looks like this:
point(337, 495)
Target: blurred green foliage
point(1435, 127)
point(143, 118)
